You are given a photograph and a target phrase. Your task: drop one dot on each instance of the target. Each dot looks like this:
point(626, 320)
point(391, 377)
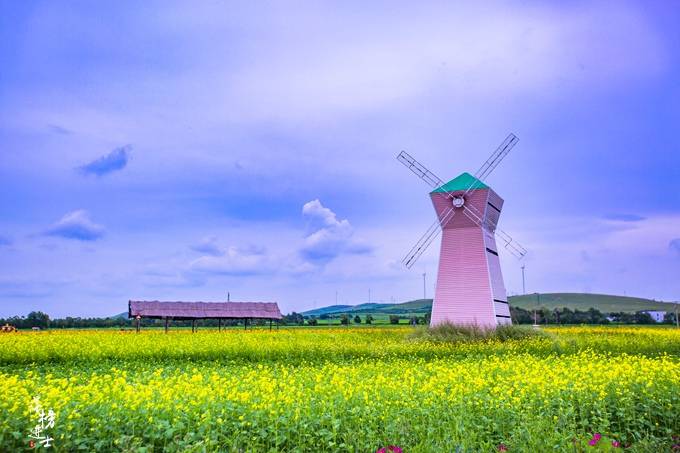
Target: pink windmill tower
point(470, 288)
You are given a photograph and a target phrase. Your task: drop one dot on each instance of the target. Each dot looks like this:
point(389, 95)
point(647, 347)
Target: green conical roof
point(462, 182)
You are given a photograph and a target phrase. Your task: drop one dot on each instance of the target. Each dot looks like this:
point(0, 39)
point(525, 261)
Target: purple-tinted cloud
point(4, 241)
point(58, 129)
point(625, 217)
point(208, 246)
point(236, 261)
point(235, 152)
point(674, 246)
point(113, 161)
point(29, 288)
point(76, 225)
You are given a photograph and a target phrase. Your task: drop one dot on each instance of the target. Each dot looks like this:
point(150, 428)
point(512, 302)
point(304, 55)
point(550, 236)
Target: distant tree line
point(33, 319)
point(519, 316)
point(43, 321)
point(293, 319)
point(591, 316)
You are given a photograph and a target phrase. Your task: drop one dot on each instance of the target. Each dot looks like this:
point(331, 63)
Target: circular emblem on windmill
point(458, 202)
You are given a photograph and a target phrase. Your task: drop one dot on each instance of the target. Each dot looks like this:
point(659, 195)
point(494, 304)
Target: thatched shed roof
point(204, 310)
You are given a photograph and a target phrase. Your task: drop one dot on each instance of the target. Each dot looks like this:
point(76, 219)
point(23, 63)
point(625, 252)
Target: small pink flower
point(395, 449)
point(381, 450)
point(616, 444)
point(596, 438)
point(502, 447)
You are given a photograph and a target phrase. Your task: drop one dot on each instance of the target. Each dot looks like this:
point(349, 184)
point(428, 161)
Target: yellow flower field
point(341, 390)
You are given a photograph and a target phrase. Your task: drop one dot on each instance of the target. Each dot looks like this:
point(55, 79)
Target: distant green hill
point(123, 315)
point(415, 306)
point(328, 310)
point(581, 301)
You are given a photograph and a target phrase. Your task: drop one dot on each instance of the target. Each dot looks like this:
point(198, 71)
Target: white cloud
point(438, 80)
point(328, 238)
point(332, 239)
point(476, 52)
point(648, 237)
point(315, 210)
point(598, 255)
point(235, 261)
point(471, 52)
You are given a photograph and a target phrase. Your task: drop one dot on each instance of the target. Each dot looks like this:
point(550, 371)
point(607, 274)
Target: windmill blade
point(434, 181)
point(427, 238)
point(420, 170)
point(473, 214)
point(510, 244)
point(493, 160)
point(485, 170)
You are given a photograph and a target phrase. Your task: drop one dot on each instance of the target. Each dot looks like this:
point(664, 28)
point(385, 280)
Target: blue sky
point(178, 151)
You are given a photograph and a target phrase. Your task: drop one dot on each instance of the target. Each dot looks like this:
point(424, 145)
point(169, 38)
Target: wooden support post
point(219, 325)
point(166, 324)
point(138, 318)
point(245, 323)
point(193, 325)
point(270, 325)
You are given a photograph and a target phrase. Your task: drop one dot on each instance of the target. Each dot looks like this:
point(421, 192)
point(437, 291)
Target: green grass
point(451, 333)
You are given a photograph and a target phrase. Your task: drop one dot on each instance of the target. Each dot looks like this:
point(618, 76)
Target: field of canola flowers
point(339, 389)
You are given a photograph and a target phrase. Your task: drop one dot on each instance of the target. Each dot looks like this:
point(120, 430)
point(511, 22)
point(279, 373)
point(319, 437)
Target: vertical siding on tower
point(504, 321)
point(501, 309)
point(463, 293)
point(495, 200)
point(469, 277)
point(492, 209)
point(495, 274)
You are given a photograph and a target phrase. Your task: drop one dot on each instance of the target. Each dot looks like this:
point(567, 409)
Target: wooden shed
point(139, 309)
